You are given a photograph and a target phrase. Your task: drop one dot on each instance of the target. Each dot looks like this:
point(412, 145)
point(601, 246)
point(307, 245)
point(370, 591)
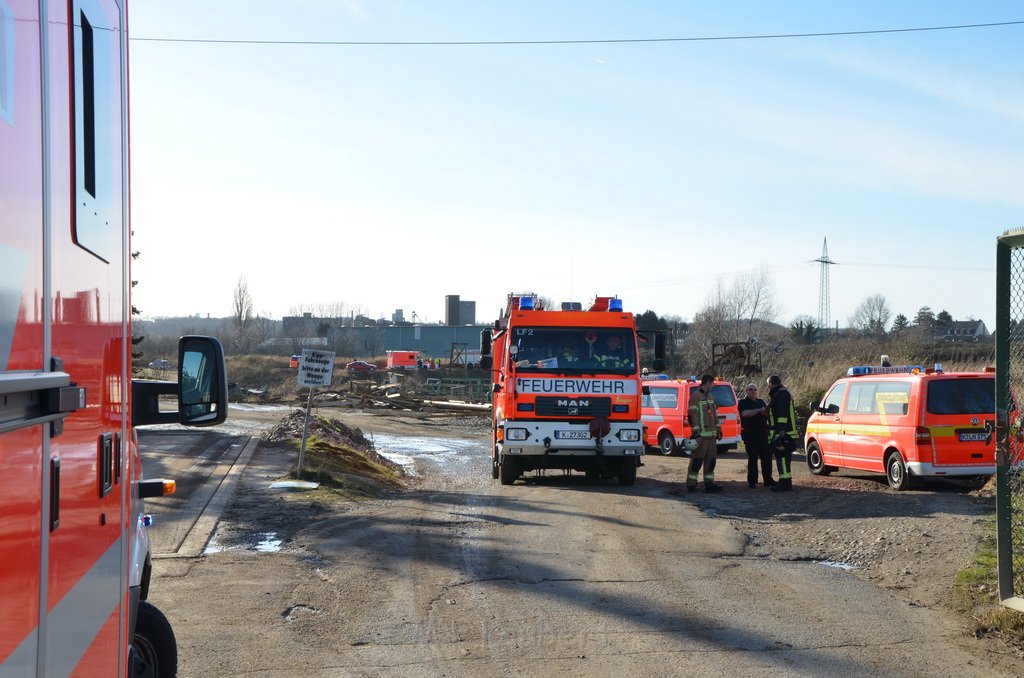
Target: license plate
point(973, 437)
point(572, 435)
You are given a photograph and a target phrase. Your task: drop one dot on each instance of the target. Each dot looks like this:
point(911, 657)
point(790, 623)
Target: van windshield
point(723, 395)
point(573, 349)
point(962, 396)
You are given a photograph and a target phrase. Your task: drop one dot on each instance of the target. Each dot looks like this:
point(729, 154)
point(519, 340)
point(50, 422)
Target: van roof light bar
point(862, 370)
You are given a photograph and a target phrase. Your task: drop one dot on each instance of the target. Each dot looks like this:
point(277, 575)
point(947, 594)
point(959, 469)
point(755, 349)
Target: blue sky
point(388, 176)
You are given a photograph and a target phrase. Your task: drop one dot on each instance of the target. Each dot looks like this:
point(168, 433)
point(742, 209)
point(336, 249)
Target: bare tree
point(242, 316)
point(871, 316)
point(729, 314)
point(752, 298)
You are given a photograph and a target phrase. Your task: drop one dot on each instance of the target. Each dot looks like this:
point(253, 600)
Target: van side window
point(835, 397)
point(862, 398)
point(893, 398)
point(665, 398)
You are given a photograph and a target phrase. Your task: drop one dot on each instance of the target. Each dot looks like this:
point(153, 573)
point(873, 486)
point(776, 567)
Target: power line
point(610, 41)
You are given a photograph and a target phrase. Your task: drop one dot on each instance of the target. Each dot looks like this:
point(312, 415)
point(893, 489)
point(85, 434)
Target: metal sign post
point(316, 368)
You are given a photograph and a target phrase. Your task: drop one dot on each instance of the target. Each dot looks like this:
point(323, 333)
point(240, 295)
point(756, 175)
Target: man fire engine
point(567, 389)
point(73, 539)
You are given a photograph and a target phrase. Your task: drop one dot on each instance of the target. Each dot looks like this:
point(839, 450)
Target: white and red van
point(906, 422)
point(74, 544)
point(664, 411)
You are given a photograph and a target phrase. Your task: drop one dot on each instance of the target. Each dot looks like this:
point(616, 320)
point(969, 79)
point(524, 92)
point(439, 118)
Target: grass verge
point(977, 594)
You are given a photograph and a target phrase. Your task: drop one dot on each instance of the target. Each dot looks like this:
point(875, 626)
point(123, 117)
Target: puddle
point(255, 407)
point(839, 566)
point(407, 451)
point(263, 542)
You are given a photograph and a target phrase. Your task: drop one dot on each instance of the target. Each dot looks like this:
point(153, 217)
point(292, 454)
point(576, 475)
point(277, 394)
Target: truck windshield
point(548, 349)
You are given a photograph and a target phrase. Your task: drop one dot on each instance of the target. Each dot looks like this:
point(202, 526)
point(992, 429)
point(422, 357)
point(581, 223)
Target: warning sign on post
point(316, 368)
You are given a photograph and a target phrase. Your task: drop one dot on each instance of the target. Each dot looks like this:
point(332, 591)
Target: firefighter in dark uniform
point(782, 431)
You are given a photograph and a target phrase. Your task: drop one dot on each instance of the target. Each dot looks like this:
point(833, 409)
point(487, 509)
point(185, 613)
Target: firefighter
point(703, 417)
point(782, 430)
point(611, 354)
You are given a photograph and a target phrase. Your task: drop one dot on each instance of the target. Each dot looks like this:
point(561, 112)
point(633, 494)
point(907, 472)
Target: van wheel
point(508, 471)
point(494, 469)
point(815, 462)
point(154, 649)
point(667, 443)
point(896, 472)
point(627, 472)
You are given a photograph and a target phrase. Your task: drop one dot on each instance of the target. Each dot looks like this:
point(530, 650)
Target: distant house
point(965, 330)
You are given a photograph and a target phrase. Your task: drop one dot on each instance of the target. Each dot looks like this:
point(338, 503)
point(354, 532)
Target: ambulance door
point(828, 425)
point(23, 373)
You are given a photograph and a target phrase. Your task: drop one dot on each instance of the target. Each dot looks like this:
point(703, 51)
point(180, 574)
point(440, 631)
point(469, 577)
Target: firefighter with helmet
point(782, 431)
point(703, 417)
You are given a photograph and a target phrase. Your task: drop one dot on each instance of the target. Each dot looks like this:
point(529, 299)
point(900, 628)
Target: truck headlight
point(516, 434)
point(629, 435)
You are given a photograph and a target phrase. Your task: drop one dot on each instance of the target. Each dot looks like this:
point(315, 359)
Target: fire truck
point(73, 536)
point(566, 389)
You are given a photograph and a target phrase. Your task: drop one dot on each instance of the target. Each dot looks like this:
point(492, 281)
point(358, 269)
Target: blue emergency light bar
point(525, 303)
point(655, 377)
point(861, 370)
point(615, 304)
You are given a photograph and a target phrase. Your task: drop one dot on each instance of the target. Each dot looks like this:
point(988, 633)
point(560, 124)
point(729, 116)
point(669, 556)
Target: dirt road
point(460, 576)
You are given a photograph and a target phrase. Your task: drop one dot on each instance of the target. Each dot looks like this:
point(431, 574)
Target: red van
point(664, 407)
point(906, 422)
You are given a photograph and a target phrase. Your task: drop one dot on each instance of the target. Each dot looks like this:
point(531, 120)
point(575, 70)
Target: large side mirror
point(659, 352)
point(485, 342)
point(202, 382)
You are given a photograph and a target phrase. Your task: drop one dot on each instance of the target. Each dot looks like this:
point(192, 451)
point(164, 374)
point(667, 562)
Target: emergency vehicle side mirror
point(485, 342)
point(202, 382)
point(659, 353)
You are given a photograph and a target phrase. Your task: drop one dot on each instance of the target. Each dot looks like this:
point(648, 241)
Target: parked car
point(160, 364)
point(360, 366)
point(294, 361)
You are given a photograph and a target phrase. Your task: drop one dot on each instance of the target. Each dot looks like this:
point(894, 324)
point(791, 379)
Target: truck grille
point(554, 406)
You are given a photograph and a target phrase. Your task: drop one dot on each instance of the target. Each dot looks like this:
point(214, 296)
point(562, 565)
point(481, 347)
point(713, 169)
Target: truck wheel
point(154, 649)
point(667, 443)
point(627, 472)
point(508, 471)
point(494, 468)
point(815, 462)
point(896, 472)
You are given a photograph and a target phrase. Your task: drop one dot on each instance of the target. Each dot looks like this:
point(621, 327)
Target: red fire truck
point(567, 389)
point(73, 540)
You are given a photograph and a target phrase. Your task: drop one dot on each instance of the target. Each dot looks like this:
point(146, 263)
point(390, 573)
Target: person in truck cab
point(611, 354)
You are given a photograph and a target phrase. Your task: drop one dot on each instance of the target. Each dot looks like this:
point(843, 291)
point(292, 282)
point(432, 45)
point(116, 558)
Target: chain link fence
point(1010, 416)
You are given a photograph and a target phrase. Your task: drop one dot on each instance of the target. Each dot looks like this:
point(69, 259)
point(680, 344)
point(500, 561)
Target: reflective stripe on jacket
point(703, 413)
point(781, 414)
